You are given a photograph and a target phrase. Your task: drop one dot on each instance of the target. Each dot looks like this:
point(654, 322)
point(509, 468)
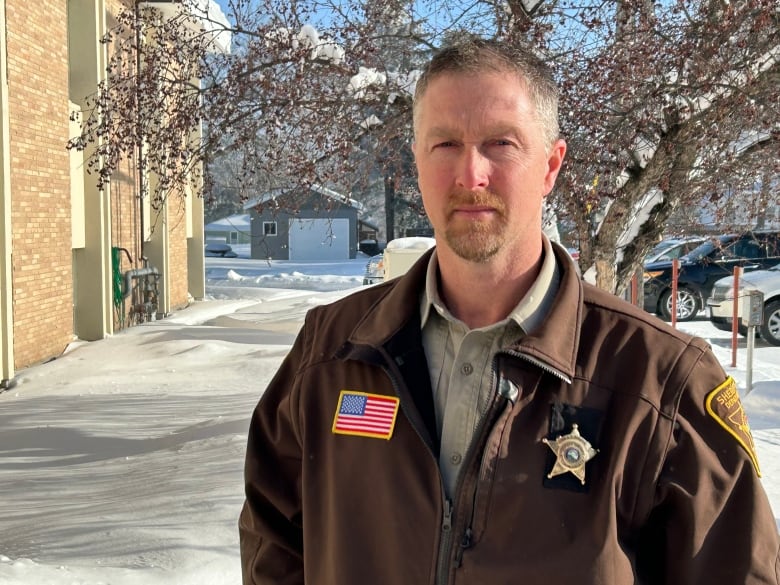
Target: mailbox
point(752, 308)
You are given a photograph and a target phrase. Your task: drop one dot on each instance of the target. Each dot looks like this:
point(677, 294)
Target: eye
point(444, 144)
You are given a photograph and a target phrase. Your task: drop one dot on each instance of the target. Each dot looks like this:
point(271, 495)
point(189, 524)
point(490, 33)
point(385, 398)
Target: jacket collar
point(399, 303)
point(529, 313)
point(553, 344)
point(556, 341)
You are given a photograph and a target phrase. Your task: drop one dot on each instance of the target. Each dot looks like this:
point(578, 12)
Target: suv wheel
point(770, 328)
point(687, 304)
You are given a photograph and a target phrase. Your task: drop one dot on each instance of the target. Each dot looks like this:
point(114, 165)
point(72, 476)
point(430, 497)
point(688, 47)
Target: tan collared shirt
point(460, 360)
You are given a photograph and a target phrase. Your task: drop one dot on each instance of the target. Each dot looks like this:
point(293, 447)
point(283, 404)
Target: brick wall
point(42, 263)
point(40, 183)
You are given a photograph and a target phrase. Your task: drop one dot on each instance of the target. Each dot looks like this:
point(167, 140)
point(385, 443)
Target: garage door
point(319, 239)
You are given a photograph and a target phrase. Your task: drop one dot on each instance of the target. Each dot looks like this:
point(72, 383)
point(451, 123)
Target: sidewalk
point(121, 461)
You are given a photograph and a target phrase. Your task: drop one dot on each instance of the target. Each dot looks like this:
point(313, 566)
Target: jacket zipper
point(538, 363)
point(509, 393)
point(442, 566)
point(445, 545)
point(466, 541)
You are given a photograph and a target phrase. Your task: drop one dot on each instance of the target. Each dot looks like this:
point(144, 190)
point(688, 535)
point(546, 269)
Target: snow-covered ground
point(121, 461)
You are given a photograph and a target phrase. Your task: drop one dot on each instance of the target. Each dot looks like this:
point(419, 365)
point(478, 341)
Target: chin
point(475, 251)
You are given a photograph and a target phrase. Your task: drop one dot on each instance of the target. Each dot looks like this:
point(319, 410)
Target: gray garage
point(314, 224)
point(319, 239)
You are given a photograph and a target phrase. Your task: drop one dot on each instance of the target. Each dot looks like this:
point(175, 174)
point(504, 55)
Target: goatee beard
point(476, 240)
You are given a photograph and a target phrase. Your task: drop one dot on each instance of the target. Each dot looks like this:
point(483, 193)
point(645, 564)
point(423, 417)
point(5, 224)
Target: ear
point(416, 162)
point(554, 162)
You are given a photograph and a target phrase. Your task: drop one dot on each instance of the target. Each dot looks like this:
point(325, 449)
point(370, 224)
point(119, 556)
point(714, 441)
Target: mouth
point(475, 206)
point(473, 212)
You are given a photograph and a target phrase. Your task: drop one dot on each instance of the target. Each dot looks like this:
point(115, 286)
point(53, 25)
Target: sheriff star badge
point(572, 452)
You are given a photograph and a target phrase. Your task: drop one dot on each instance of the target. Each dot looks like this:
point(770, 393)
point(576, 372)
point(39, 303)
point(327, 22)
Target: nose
point(473, 169)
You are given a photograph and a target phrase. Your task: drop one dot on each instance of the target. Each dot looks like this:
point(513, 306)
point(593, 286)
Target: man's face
point(482, 164)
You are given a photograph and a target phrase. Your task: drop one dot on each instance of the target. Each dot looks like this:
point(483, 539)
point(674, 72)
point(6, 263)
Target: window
point(269, 228)
point(745, 248)
point(233, 237)
point(772, 246)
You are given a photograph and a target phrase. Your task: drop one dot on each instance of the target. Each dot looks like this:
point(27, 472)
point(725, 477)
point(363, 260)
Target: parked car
point(701, 268)
point(214, 249)
point(375, 270)
point(398, 257)
point(720, 304)
point(670, 249)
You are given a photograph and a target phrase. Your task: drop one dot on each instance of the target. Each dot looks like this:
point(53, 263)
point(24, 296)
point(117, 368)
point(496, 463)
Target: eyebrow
point(438, 132)
point(445, 132)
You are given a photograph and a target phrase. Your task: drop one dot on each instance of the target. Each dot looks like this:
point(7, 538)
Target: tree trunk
point(605, 275)
point(389, 207)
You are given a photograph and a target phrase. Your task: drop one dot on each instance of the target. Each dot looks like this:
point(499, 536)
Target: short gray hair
point(470, 54)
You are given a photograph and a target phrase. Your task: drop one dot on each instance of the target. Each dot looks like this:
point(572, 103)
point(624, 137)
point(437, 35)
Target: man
point(488, 418)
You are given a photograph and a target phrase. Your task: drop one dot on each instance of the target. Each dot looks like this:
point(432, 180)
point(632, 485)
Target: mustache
point(464, 197)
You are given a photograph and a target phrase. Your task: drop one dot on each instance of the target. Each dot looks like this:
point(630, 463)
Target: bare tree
point(148, 107)
point(664, 105)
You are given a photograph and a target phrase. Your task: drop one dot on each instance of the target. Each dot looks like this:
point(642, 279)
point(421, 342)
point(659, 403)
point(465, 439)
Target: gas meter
point(752, 308)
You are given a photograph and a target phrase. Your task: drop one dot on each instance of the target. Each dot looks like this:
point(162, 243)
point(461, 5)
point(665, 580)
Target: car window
point(772, 246)
point(708, 248)
point(674, 252)
point(671, 249)
point(746, 248)
point(714, 248)
point(680, 250)
point(663, 251)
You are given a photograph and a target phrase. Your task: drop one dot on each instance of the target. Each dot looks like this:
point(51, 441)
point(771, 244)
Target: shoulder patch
point(723, 404)
point(365, 415)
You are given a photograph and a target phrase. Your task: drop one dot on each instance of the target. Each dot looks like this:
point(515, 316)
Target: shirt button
point(466, 369)
point(455, 458)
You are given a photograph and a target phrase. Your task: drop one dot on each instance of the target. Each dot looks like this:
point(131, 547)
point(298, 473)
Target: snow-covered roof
point(207, 16)
point(329, 193)
point(238, 222)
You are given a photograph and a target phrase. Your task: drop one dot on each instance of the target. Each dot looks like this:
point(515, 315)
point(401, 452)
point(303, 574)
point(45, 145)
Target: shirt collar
point(529, 313)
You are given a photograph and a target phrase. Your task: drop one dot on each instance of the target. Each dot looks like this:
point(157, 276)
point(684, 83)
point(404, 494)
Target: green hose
point(116, 278)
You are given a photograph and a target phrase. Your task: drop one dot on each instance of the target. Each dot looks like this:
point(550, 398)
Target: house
point(234, 229)
point(76, 261)
point(305, 224)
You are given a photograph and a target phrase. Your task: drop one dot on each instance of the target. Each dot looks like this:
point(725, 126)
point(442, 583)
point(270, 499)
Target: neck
point(481, 294)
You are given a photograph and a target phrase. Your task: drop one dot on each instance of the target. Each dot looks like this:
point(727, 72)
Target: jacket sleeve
point(711, 521)
point(270, 523)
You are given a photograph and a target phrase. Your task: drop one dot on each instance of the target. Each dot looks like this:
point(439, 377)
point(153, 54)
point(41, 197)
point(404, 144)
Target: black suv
point(699, 270)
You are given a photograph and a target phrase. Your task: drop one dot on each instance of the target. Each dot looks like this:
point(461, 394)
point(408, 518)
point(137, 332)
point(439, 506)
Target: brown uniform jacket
point(672, 495)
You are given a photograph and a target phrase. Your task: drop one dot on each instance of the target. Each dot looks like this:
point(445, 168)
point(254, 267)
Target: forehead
point(459, 98)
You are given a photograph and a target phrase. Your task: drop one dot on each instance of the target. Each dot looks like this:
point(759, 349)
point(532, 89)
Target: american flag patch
point(366, 415)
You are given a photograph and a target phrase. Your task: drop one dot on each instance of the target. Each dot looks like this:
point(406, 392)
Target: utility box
point(752, 308)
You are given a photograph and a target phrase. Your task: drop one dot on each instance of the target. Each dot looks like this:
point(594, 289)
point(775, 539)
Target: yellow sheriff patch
point(724, 406)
